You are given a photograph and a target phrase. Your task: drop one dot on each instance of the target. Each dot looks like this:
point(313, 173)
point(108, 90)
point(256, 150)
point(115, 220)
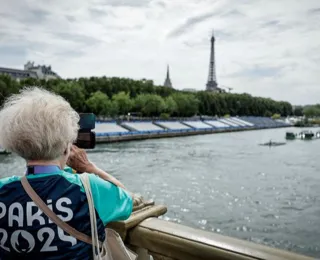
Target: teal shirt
point(117, 208)
point(111, 202)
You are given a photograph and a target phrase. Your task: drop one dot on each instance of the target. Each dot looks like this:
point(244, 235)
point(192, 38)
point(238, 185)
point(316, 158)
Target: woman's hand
point(79, 161)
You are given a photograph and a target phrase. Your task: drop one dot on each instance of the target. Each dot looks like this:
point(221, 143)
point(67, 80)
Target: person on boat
point(41, 127)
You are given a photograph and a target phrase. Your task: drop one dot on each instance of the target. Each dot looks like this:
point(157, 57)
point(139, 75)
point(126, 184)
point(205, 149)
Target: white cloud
point(266, 48)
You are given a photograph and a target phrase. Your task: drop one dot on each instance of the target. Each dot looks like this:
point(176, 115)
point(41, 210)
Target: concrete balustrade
point(149, 236)
point(166, 240)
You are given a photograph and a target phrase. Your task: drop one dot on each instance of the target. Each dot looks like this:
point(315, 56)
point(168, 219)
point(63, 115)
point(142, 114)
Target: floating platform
point(119, 131)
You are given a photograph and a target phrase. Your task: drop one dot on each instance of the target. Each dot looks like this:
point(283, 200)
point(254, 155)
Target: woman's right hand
point(79, 161)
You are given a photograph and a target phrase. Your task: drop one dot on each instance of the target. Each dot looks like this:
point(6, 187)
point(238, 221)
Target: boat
point(303, 135)
point(270, 143)
point(3, 151)
point(290, 136)
point(306, 135)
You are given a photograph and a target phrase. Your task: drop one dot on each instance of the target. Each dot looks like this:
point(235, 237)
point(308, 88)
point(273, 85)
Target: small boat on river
point(306, 135)
point(290, 136)
point(270, 143)
point(303, 135)
point(3, 151)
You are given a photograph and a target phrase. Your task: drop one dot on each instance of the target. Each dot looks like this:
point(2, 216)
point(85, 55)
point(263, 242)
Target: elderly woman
point(41, 127)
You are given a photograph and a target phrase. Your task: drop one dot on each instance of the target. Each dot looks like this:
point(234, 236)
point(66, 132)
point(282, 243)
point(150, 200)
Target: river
point(224, 183)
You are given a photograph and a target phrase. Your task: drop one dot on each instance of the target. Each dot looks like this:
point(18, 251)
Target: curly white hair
point(37, 124)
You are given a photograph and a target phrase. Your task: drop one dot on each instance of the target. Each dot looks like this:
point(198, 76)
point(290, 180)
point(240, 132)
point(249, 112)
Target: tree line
point(308, 111)
point(112, 97)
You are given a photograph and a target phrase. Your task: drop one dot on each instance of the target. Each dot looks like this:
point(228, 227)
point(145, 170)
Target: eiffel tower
point(212, 84)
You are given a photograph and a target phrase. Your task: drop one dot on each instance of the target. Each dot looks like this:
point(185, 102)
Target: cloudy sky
point(268, 48)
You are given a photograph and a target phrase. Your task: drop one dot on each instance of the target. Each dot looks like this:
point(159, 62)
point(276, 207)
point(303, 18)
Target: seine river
point(224, 183)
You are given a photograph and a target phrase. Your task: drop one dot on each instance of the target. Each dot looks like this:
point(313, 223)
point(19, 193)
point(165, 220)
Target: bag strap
point(93, 219)
point(51, 215)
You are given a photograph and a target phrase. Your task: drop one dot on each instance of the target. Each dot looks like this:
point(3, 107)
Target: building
point(189, 90)
point(30, 71)
point(212, 84)
point(167, 82)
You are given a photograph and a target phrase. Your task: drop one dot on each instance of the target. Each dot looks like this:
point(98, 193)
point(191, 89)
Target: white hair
point(37, 124)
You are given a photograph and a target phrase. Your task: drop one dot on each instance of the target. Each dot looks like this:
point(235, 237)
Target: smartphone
point(86, 137)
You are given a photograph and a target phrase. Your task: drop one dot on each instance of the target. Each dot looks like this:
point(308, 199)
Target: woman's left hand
point(79, 161)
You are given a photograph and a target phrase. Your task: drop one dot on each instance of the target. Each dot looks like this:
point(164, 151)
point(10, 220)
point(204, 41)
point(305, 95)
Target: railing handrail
point(168, 240)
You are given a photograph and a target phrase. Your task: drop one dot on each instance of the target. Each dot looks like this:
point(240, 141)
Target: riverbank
point(112, 131)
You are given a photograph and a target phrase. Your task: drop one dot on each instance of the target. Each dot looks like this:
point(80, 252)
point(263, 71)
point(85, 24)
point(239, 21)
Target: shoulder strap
point(93, 219)
point(51, 215)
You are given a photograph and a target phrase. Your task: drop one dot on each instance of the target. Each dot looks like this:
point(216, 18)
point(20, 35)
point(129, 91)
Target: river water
point(224, 183)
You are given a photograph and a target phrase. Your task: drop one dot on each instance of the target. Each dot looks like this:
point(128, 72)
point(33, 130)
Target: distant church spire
point(167, 82)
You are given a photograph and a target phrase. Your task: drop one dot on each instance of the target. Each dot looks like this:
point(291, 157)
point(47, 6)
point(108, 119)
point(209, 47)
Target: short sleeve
point(111, 202)
point(69, 170)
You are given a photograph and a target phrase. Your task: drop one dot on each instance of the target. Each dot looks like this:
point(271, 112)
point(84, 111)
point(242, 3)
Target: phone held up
point(86, 137)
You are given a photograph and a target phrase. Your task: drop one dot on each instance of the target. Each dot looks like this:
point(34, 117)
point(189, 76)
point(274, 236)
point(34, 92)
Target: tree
point(170, 105)
point(311, 111)
point(126, 95)
point(73, 93)
point(150, 104)
point(276, 116)
point(123, 102)
point(268, 114)
point(298, 111)
point(7, 87)
point(99, 104)
point(187, 104)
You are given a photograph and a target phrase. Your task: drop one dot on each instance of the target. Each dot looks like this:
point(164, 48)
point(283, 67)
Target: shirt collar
point(42, 169)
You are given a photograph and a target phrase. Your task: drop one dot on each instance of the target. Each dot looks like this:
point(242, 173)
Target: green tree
point(150, 104)
point(123, 102)
point(170, 105)
point(130, 95)
point(311, 111)
point(298, 111)
point(114, 109)
point(73, 92)
point(8, 86)
point(100, 104)
point(276, 116)
point(268, 114)
point(187, 104)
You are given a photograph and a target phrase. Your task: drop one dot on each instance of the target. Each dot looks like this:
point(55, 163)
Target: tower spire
point(167, 82)
point(212, 84)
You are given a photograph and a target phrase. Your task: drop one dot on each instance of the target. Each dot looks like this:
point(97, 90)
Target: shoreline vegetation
point(308, 122)
point(112, 97)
